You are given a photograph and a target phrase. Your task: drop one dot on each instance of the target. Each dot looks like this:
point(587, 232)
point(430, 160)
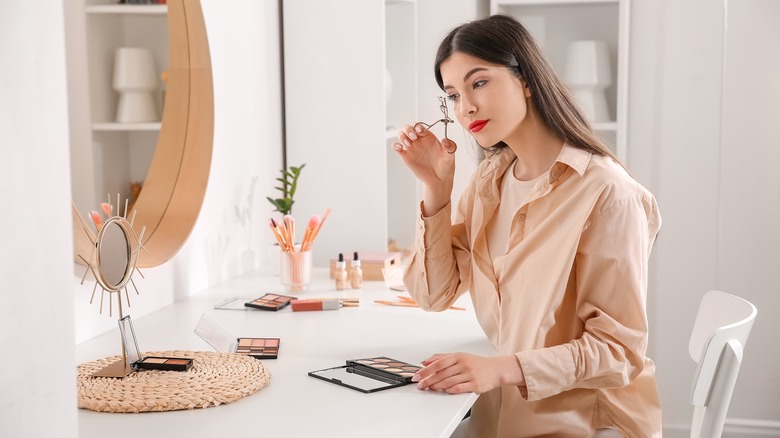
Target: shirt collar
point(570, 156)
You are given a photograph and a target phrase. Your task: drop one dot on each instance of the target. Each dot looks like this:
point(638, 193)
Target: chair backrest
point(720, 332)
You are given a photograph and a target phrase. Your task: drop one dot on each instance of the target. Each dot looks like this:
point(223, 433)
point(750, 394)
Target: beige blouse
point(568, 298)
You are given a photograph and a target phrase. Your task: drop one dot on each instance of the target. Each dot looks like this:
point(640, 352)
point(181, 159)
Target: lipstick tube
point(307, 305)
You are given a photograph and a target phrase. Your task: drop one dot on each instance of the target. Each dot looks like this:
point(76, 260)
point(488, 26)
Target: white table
point(294, 404)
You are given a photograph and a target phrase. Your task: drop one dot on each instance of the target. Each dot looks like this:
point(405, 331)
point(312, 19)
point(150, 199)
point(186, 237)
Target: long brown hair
point(502, 40)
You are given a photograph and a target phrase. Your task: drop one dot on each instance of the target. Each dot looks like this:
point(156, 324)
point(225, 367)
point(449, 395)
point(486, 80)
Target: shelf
point(551, 2)
point(393, 2)
point(113, 126)
point(605, 126)
point(128, 9)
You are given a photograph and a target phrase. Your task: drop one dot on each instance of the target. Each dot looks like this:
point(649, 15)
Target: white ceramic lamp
point(588, 74)
point(135, 78)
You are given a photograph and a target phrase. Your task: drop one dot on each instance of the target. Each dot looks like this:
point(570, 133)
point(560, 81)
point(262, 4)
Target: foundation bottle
point(355, 272)
point(341, 273)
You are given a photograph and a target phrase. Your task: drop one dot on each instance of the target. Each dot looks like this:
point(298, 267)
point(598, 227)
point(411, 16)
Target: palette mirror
point(352, 377)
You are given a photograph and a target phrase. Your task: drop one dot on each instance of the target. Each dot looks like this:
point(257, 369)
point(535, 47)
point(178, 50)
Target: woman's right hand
point(431, 161)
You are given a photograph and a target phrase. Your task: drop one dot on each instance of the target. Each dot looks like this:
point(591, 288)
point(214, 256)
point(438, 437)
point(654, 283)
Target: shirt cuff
point(547, 371)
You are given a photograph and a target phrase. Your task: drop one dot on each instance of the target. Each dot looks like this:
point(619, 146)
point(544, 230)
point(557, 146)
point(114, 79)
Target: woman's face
point(488, 99)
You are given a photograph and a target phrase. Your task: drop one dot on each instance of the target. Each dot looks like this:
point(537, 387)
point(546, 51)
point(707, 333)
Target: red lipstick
point(477, 125)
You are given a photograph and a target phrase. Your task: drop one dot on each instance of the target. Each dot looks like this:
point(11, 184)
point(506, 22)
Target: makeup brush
point(308, 235)
point(95, 216)
point(106, 208)
point(319, 227)
point(283, 232)
point(272, 224)
point(289, 225)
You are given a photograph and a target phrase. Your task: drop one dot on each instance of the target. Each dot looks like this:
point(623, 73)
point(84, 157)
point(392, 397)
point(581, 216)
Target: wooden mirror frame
point(175, 185)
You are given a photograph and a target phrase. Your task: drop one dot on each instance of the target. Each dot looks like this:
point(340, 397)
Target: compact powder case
point(370, 374)
point(222, 341)
point(150, 362)
point(164, 363)
point(271, 302)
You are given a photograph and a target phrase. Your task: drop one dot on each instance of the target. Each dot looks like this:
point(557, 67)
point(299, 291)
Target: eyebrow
point(468, 74)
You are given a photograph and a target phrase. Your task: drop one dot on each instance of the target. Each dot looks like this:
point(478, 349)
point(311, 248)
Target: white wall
point(710, 160)
point(749, 186)
point(36, 314)
point(230, 235)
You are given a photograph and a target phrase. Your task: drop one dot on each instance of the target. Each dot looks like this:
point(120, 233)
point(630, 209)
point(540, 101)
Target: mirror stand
point(112, 261)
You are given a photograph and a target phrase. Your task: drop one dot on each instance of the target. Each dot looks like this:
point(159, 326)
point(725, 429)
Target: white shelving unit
point(556, 23)
point(335, 57)
point(120, 153)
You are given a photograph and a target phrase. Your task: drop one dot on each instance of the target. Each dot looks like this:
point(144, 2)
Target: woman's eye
point(453, 97)
point(478, 84)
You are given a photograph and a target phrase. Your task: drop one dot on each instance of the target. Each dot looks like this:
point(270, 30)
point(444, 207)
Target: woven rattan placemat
point(214, 379)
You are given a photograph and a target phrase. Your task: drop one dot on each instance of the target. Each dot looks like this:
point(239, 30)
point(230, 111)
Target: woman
point(551, 239)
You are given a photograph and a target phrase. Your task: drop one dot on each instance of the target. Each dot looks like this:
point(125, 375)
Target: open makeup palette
point(135, 359)
point(222, 341)
point(272, 302)
point(370, 374)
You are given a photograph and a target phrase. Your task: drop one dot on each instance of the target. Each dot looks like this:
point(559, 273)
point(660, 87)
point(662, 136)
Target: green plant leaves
point(289, 183)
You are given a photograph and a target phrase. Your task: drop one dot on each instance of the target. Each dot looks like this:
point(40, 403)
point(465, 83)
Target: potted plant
point(289, 182)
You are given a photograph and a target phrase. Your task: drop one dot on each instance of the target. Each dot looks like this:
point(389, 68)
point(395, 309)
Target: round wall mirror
point(176, 181)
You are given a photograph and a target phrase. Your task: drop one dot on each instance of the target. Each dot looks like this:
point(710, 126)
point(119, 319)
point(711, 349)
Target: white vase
point(588, 74)
point(135, 78)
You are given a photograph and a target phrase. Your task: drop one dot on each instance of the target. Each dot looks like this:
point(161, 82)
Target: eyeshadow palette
point(259, 348)
point(221, 340)
point(164, 363)
point(271, 302)
point(137, 361)
point(402, 370)
point(370, 374)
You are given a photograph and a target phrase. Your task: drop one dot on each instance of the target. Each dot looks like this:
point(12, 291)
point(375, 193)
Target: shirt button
point(521, 217)
point(554, 174)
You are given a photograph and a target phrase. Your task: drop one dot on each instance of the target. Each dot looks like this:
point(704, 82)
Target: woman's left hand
point(457, 373)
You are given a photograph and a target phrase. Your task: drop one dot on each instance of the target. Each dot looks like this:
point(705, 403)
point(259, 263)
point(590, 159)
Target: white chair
point(719, 335)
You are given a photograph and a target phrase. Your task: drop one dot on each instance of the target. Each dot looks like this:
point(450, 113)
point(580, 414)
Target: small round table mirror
point(114, 255)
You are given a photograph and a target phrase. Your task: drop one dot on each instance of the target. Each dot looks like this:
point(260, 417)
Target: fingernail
point(420, 386)
point(397, 146)
point(407, 143)
point(416, 378)
point(413, 135)
point(418, 128)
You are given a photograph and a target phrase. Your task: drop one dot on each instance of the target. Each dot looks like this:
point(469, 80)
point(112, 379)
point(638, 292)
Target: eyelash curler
point(446, 120)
